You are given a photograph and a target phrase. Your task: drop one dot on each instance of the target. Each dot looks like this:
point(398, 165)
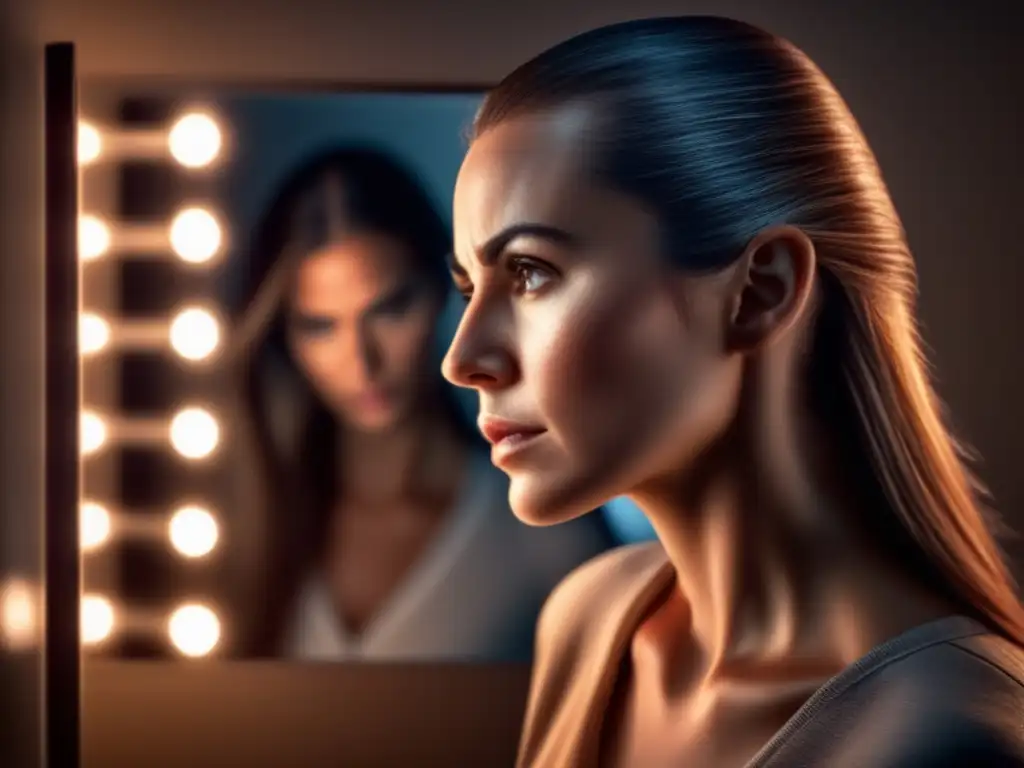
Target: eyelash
point(518, 266)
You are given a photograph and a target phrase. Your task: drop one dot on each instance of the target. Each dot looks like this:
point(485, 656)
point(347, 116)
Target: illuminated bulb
point(194, 629)
point(195, 140)
point(97, 619)
point(90, 144)
point(94, 525)
point(194, 333)
point(94, 433)
point(93, 333)
point(195, 235)
point(193, 531)
point(194, 433)
point(93, 237)
point(19, 615)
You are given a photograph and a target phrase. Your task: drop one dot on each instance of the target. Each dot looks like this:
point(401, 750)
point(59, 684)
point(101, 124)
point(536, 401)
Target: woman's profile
point(385, 532)
point(686, 283)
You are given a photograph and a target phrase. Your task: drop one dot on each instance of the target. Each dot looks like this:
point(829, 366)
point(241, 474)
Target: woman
point(388, 534)
point(686, 283)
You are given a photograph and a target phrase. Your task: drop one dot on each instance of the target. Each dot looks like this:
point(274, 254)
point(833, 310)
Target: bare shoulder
point(576, 645)
point(595, 593)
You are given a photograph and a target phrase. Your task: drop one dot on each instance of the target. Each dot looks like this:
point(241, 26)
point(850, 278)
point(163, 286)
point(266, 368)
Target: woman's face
point(360, 326)
point(608, 366)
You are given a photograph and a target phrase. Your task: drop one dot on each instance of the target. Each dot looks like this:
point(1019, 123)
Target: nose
point(479, 360)
point(361, 356)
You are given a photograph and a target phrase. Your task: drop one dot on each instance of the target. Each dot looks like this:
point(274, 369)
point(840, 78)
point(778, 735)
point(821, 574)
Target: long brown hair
point(723, 129)
point(291, 472)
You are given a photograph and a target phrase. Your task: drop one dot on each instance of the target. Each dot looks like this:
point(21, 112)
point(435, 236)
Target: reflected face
point(360, 326)
point(599, 367)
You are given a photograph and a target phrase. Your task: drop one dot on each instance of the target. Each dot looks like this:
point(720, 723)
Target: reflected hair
point(287, 428)
point(721, 130)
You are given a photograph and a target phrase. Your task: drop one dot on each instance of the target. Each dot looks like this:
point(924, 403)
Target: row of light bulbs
point(192, 529)
point(192, 432)
point(194, 140)
point(195, 236)
point(193, 333)
point(193, 628)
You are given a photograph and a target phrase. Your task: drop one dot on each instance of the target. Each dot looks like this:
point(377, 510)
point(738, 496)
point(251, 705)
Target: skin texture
point(684, 392)
point(360, 327)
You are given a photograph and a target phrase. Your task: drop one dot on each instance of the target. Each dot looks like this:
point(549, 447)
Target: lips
point(498, 430)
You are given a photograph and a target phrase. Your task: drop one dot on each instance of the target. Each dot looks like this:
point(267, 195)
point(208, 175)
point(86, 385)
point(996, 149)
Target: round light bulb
point(97, 619)
point(194, 433)
point(19, 615)
point(194, 333)
point(194, 630)
point(93, 333)
point(90, 143)
point(195, 235)
point(193, 531)
point(93, 433)
point(195, 140)
point(95, 525)
point(93, 237)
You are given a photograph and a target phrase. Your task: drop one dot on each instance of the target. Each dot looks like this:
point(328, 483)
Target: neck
point(415, 454)
point(769, 558)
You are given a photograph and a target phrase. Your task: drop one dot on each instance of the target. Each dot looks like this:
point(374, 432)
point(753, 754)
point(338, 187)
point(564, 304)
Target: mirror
point(273, 466)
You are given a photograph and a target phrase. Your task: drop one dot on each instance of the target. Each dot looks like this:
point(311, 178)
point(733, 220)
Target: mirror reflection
point(273, 466)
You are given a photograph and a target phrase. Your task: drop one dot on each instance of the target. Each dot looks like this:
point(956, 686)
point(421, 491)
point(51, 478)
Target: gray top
point(947, 694)
point(473, 595)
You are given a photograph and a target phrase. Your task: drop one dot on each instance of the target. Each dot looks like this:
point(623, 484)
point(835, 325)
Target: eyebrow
point(490, 250)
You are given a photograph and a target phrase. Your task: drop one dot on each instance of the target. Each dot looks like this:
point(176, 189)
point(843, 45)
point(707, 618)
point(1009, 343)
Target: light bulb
point(93, 237)
point(193, 531)
point(194, 333)
point(194, 629)
point(194, 433)
point(195, 140)
point(90, 143)
point(195, 235)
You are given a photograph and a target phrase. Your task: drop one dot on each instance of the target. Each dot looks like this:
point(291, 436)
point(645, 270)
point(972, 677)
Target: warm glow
point(94, 525)
point(93, 237)
point(195, 140)
point(194, 629)
point(194, 333)
point(195, 235)
point(97, 619)
point(90, 143)
point(194, 433)
point(19, 615)
point(94, 433)
point(93, 333)
point(193, 531)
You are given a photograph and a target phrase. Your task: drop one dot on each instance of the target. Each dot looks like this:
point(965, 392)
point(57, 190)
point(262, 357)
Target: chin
point(538, 504)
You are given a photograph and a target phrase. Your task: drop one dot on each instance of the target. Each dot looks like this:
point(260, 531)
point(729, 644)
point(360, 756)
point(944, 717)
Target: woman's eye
point(530, 277)
point(308, 325)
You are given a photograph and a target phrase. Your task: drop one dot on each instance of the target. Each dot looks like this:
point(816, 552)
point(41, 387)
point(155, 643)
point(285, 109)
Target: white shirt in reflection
point(474, 594)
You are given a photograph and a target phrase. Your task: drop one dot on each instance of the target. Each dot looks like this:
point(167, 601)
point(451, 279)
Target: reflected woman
point(388, 533)
point(687, 283)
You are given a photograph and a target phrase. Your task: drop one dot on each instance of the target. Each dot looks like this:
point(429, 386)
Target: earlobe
point(775, 274)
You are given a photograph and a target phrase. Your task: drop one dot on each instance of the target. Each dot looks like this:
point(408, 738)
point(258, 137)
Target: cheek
point(613, 355)
point(315, 361)
point(620, 386)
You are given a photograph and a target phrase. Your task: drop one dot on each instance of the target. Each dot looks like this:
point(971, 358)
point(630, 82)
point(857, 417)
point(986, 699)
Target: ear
point(774, 279)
